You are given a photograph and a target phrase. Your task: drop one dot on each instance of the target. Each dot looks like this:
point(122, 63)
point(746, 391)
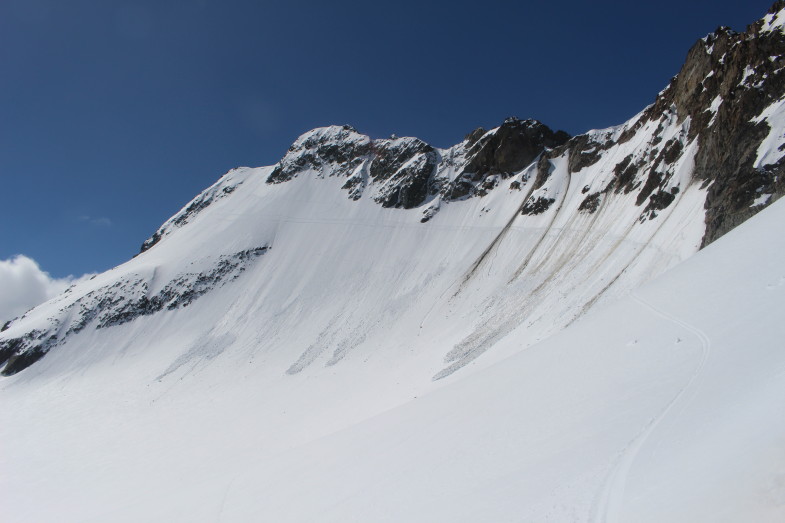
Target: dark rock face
point(151, 241)
point(591, 203)
point(511, 148)
point(429, 213)
point(355, 185)
point(342, 147)
point(660, 174)
point(402, 168)
point(732, 203)
point(405, 168)
point(460, 189)
point(178, 293)
point(624, 174)
point(544, 169)
point(404, 171)
point(657, 202)
point(121, 303)
point(585, 152)
point(20, 353)
point(539, 205)
point(743, 73)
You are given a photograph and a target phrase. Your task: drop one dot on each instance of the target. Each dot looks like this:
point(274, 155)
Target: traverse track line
point(611, 496)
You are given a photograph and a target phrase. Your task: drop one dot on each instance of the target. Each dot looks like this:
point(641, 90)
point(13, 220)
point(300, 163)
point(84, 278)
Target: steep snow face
point(771, 148)
point(774, 20)
point(297, 270)
point(665, 406)
point(218, 190)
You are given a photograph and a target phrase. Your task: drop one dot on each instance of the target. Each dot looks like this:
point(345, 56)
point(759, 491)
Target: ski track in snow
point(611, 495)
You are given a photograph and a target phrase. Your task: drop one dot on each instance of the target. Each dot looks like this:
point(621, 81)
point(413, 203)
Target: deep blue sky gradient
point(114, 114)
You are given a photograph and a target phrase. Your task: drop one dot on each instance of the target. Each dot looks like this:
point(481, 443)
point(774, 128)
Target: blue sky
point(114, 114)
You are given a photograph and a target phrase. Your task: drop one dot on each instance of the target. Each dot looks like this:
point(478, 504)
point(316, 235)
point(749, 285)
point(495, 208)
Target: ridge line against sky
point(115, 114)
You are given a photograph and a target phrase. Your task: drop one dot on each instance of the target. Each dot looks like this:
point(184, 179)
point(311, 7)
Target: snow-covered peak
point(321, 149)
point(774, 19)
point(530, 124)
point(400, 142)
point(333, 134)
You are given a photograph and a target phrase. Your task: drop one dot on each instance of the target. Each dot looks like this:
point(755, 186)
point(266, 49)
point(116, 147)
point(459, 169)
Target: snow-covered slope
point(371, 321)
point(664, 406)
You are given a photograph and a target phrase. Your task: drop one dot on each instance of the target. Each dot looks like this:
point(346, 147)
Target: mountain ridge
point(707, 153)
point(512, 146)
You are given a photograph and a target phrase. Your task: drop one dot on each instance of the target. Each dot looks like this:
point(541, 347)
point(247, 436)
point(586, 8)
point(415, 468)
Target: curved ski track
point(611, 496)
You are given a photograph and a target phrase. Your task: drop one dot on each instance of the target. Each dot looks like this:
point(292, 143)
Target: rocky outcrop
point(404, 169)
point(335, 151)
point(120, 303)
point(499, 154)
point(538, 205)
point(407, 172)
point(511, 147)
point(727, 81)
point(584, 151)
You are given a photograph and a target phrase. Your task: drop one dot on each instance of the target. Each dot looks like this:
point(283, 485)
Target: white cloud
point(23, 285)
point(97, 222)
